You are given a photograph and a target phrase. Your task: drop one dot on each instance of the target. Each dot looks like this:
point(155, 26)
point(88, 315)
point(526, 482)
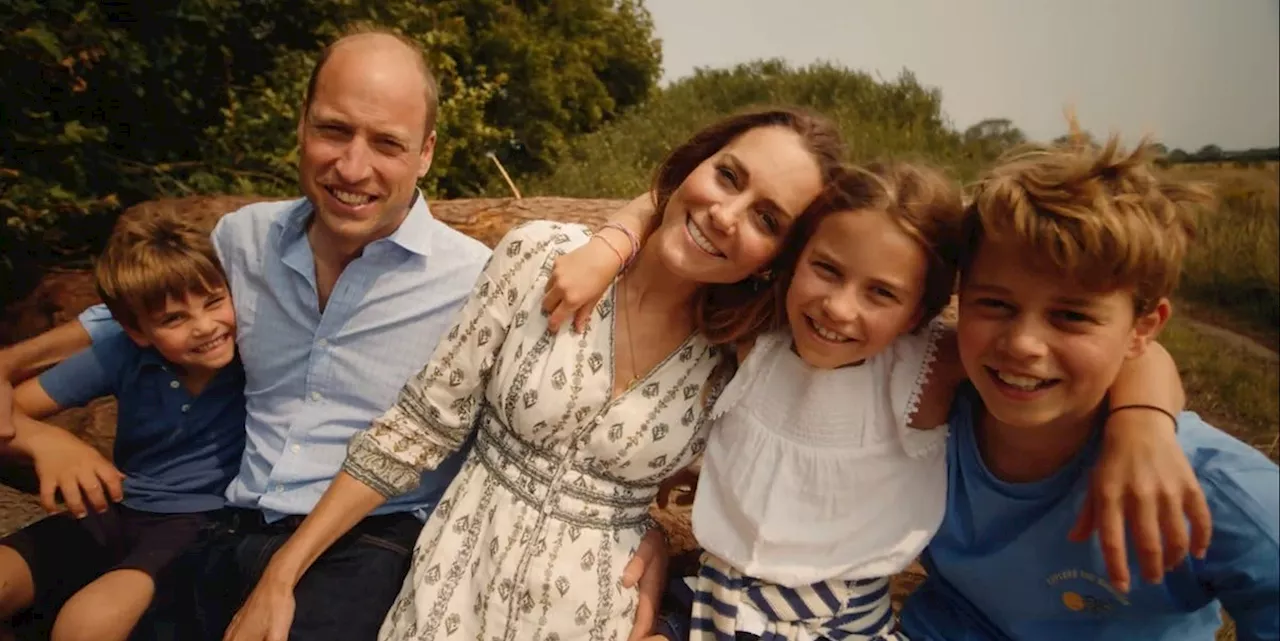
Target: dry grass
point(1234, 263)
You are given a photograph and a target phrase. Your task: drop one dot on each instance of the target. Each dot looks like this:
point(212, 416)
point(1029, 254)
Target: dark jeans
point(343, 596)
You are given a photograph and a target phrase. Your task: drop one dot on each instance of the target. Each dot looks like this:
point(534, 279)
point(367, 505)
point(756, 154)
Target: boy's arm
point(64, 463)
point(1143, 478)
point(581, 277)
point(23, 360)
point(1242, 568)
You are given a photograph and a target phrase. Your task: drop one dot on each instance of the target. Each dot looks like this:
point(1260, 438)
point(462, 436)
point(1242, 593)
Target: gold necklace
point(631, 347)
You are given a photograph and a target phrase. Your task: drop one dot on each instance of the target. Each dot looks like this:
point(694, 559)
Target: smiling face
point(857, 287)
point(196, 332)
point(363, 140)
point(727, 219)
point(1040, 350)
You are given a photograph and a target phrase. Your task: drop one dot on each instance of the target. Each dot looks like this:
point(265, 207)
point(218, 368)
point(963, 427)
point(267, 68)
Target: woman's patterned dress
point(530, 541)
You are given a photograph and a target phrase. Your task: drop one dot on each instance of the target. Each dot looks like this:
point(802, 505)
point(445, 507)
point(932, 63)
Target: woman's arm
point(581, 277)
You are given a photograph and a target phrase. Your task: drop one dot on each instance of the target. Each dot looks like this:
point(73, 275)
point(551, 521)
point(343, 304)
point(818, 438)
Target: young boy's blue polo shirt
point(1001, 567)
point(178, 452)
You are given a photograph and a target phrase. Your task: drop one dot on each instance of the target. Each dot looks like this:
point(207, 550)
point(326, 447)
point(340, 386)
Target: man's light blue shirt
point(315, 379)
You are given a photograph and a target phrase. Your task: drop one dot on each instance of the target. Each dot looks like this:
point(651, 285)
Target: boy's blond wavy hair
point(1098, 214)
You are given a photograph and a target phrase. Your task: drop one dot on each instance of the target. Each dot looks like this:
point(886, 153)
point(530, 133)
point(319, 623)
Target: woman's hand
point(1144, 479)
point(647, 570)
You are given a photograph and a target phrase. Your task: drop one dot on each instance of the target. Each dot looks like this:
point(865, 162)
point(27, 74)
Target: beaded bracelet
point(616, 251)
point(635, 242)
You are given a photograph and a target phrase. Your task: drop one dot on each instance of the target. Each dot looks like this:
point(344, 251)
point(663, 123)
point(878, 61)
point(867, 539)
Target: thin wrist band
point(1139, 406)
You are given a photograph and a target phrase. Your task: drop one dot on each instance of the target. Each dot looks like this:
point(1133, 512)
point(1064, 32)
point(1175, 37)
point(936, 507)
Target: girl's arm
point(1143, 478)
point(581, 277)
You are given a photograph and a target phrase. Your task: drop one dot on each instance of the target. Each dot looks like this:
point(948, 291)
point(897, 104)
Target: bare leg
point(17, 589)
point(107, 609)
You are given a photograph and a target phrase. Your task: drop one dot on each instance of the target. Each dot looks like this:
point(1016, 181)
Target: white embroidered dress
point(530, 540)
point(814, 475)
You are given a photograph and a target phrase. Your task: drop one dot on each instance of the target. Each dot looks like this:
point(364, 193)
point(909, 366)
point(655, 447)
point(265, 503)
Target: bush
point(877, 118)
point(110, 104)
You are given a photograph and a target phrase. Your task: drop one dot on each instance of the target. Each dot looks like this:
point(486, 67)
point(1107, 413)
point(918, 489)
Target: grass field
point(1232, 270)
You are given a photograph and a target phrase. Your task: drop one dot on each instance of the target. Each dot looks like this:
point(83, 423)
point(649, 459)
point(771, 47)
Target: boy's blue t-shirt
point(1001, 567)
point(178, 452)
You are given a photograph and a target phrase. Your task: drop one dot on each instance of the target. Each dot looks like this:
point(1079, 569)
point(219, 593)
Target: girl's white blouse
point(811, 475)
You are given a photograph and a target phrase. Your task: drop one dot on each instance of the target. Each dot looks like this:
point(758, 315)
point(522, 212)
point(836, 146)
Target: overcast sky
point(1192, 72)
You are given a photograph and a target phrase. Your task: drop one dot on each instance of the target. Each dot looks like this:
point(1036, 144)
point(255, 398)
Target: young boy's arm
point(581, 277)
point(1143, 478)
point(64, 463)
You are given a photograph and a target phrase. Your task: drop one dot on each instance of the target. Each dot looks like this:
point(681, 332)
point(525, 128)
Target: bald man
point(340, 297)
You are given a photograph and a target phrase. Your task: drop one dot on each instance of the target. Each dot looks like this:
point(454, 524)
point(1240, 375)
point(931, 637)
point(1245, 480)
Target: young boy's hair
point(1099, 215)
point(148, 261)
point(923, 201)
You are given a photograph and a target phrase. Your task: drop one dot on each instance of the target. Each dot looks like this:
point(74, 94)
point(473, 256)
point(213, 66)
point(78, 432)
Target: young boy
point(179, 436)
point(1073, 253)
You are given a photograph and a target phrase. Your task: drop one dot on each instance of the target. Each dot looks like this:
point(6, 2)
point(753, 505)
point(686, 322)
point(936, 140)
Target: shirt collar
point(413, 235)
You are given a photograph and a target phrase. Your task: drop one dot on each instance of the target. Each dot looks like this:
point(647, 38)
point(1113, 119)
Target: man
point(340, 297)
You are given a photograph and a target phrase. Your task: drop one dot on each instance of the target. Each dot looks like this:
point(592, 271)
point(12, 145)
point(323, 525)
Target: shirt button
point(174, 384)
point(296, 448)
point(322, 343)
point(186, 407)
point(279, 488)
point(315, 396)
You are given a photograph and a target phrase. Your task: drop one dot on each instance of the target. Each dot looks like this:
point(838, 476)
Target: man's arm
point(28, 358)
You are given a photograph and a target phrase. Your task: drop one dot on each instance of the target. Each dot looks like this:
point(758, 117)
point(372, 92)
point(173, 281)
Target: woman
point(573, 432)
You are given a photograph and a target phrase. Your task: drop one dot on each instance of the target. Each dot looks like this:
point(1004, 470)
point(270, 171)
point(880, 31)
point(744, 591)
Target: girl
point(823, 477)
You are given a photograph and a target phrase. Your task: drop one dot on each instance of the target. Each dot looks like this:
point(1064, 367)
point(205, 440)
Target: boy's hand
point(1143, 479)
point(580, 278)
point(68, 465)
point(6, 410)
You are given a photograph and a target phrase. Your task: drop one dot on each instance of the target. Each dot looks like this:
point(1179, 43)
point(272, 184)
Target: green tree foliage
point(108, 104)
point(877, 118)
point(992, 137)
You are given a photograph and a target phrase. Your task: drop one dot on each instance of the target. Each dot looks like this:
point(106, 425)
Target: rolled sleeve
point(85, 376)
point(97, 320)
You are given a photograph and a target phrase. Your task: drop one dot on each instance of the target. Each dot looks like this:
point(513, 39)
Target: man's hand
point(68, 465)
point(647, 569)
point(1143, 479)
point(266, 615)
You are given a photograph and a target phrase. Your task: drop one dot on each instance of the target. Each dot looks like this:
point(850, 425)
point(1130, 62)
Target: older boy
point(1072, 255)
point(179, 436)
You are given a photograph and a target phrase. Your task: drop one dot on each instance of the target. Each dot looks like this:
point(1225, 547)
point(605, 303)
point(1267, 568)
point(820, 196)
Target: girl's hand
point(580, 278)
point(1144, 479)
